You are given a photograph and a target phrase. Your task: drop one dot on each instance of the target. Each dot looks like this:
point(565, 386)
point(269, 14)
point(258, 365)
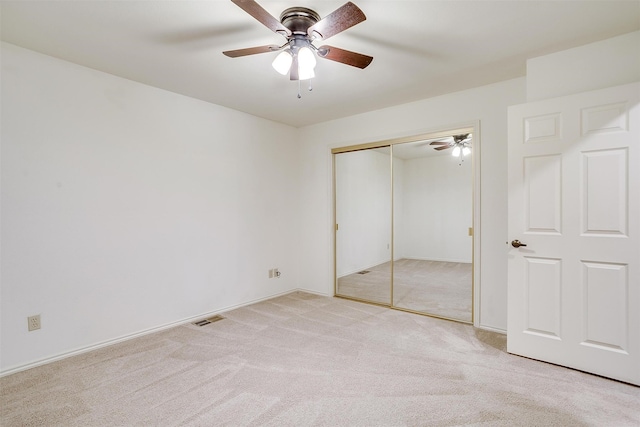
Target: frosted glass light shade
point(456, 151)
point(306, 63)
point(466, 151)
point(282, 63)
point(305, 74)
point(306, 57)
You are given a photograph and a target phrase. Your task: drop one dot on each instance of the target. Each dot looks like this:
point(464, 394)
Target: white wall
point(363, 200)
point(437, 209)
point(126, 207)
point(607, 63)
point(488, 105)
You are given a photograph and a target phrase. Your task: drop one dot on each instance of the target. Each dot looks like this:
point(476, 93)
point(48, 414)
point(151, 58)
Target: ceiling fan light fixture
point(466, 151)
point(301, 26)
point(306, 63)
point(307, 58)
point(305, 74)
point(282, 63)
point(456, 151)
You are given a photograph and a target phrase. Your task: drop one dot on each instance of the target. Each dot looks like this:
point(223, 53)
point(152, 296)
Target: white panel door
point(574, 201)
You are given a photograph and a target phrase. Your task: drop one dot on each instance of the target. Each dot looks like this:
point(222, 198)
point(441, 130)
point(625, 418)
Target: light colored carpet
point(433, 287)
point(306, 360)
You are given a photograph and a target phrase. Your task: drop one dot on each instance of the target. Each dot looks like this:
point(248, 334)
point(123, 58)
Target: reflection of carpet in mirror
point(433, 287)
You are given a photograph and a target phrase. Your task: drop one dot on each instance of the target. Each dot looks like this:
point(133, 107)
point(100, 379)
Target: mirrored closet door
point(433, 216)
point(363, 224)
point(404, 218)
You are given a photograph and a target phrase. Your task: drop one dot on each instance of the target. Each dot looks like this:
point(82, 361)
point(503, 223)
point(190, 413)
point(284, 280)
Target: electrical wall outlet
point(33, 322)
point(274, 272)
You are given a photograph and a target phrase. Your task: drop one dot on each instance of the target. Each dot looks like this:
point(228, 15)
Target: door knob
point(517, 243)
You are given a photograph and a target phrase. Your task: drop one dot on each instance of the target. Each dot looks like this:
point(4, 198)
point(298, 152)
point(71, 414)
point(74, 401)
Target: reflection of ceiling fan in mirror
point(461, 144)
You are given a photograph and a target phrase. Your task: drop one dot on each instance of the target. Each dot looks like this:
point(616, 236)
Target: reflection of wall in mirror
point(363, 210)
point(437, 209)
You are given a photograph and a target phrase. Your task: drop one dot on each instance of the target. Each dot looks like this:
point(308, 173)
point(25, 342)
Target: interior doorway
point(405, 221)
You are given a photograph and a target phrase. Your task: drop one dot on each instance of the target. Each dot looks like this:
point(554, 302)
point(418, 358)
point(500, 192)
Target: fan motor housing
point(299, 19)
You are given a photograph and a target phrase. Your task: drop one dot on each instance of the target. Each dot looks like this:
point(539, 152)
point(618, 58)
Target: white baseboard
point(102, 344)
point(492, 329)
point(460, 261)
point(321, 294)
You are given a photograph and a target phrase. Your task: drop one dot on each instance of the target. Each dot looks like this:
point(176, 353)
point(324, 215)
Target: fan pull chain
point(299, 84)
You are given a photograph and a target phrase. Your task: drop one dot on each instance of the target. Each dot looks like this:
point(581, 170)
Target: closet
point(404, 220)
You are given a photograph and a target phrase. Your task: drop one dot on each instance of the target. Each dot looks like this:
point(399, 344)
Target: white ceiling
point(420, 48)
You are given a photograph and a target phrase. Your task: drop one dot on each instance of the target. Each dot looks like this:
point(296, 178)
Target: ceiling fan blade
point(442, 148)
point(345, 56)
point(337, 21)
point(251, 51)
point(439, 143)
point(259, 13)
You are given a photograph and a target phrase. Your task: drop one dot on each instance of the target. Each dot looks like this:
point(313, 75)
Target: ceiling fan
point(301, 27)
point(460, 144)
